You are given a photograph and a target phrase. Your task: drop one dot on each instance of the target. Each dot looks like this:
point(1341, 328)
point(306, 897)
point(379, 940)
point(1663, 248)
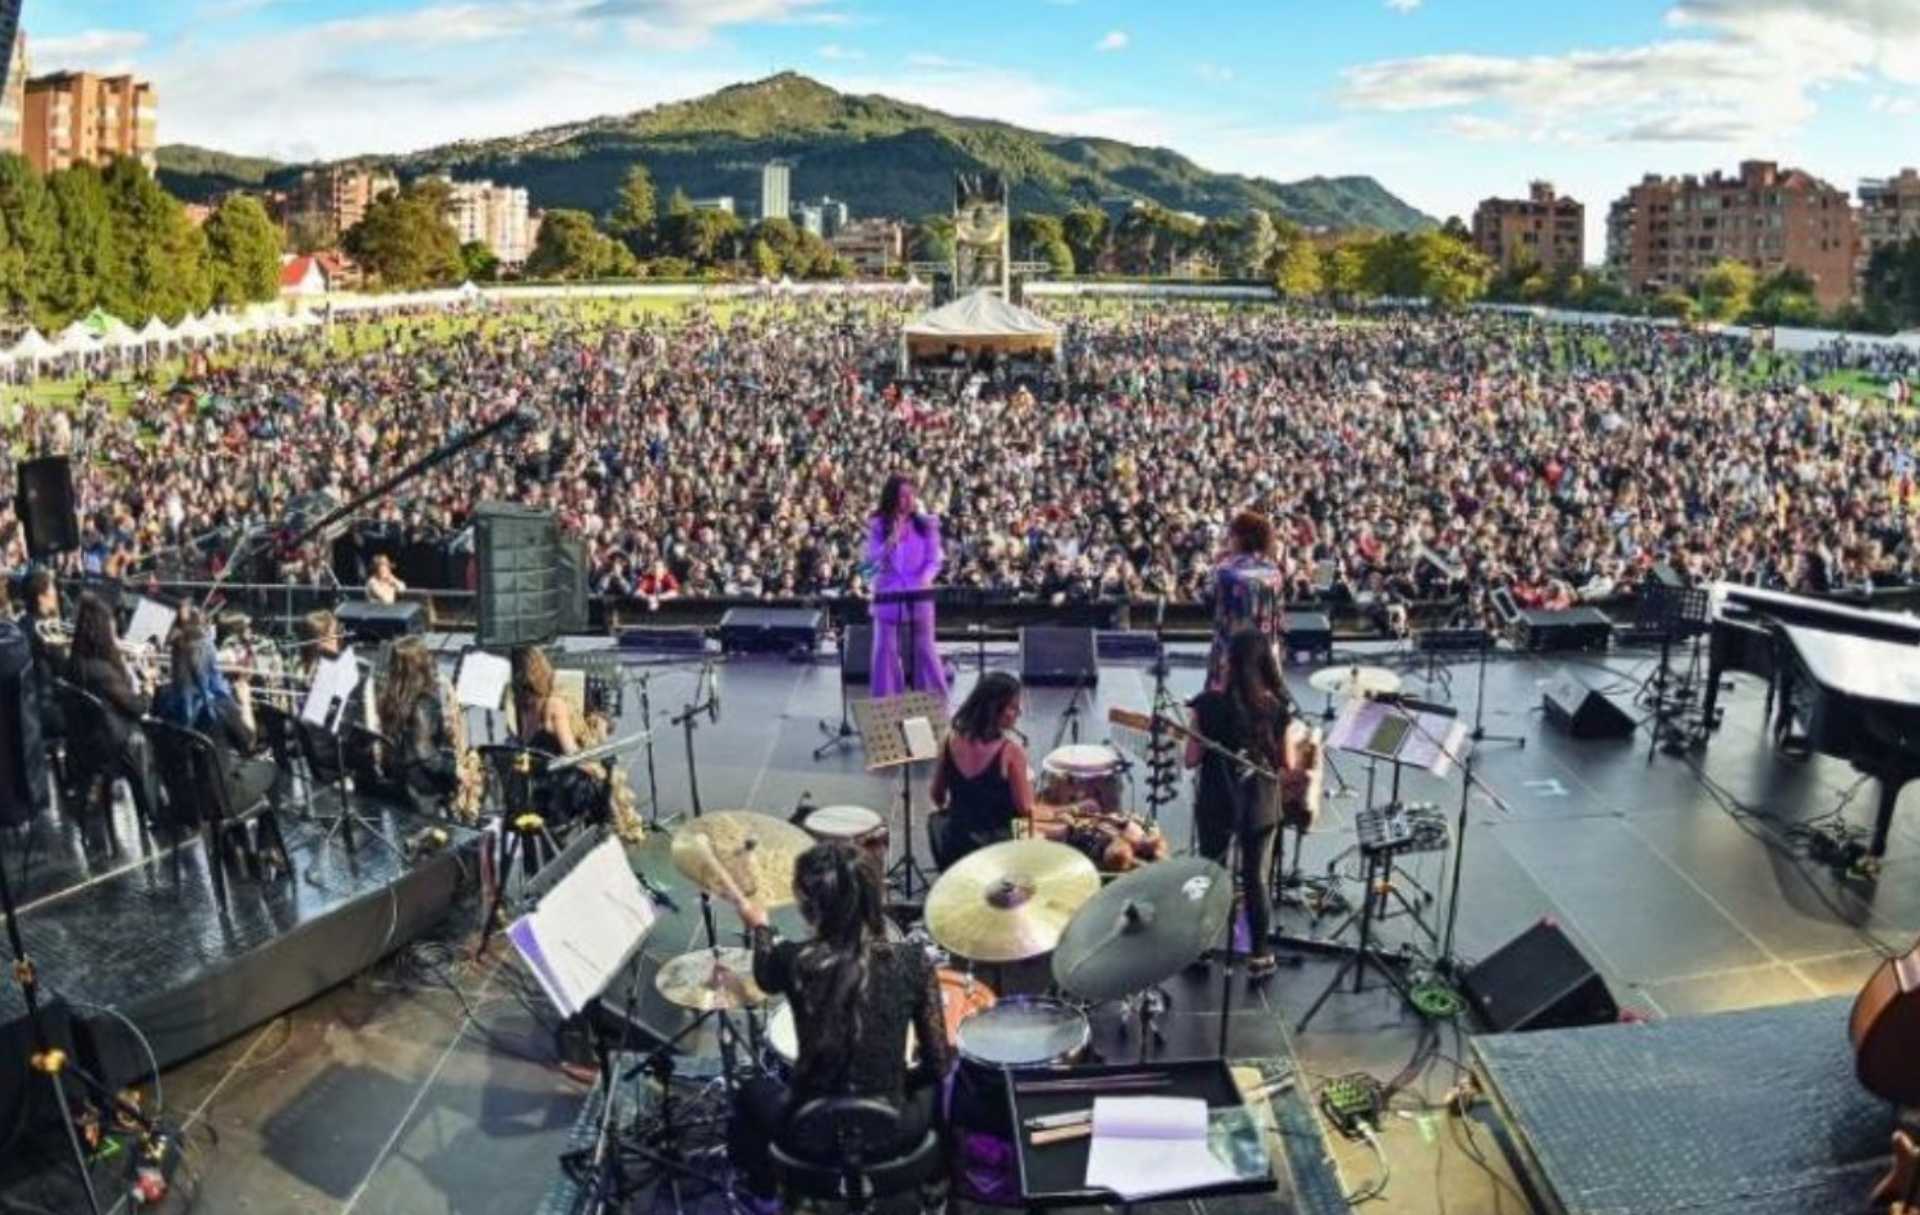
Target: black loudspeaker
point(858, 665)
point(1583, 712)
point(1057, 656)
point(517, 550)
point(1539, 980)
point(45, 505)
point(748, 630)
point(373, 623)
point(574, 612)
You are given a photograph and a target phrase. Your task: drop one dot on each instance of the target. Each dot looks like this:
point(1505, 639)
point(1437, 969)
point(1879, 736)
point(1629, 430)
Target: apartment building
point(80, 118)
point(1543, 229)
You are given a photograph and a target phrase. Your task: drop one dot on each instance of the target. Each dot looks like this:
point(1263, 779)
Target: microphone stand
point(1480, 734)
point(1160, 773)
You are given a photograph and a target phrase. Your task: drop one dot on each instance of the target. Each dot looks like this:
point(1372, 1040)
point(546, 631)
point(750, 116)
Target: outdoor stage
point(1666, 887)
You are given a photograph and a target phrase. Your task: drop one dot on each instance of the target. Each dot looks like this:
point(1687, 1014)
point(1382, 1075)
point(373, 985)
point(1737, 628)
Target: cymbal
point(1009, 902)
point(756, 850)
point(710, 979)
point(1142, 929)
point(1354, 681)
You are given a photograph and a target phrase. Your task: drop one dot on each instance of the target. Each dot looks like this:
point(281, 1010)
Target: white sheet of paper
point(1143, 1146)
point(584, 927)
point(151, 623)
point(333, 683)
point(483, 680)
point(919, 736)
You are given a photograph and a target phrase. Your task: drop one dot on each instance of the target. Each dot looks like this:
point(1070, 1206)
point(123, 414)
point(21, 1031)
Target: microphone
point(713, 699)
point(657, 894)
point(1160, 611)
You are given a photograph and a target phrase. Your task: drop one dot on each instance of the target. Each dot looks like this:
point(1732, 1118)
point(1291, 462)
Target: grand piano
point(1848, 677)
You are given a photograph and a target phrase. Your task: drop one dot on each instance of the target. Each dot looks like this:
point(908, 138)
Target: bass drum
point(1018, 1034)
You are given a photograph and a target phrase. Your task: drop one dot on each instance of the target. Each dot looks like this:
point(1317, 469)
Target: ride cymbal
point(1354, 681)
point(756, 850)
point(1009, 902)
point(708, 980)
point(1141, 930)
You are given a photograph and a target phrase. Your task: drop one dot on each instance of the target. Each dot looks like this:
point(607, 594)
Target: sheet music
point(333, 683)
point(921, 743)
point(151, 624)
point(481, 682)
point(1143, 1146)
point(581, 932)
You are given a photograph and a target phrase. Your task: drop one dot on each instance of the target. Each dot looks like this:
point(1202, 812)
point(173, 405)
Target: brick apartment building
point(1668, 232)
point(331, 200)
point(874, 246)
point(1889, 212)
point(80, 118)
point(1542, 229)
point(496, 216)
point(13, 101)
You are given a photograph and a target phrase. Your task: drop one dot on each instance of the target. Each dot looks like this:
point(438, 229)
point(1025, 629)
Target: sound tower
point(518, 554)
point(574, 606)
point(45, 504)
point(1583, 712)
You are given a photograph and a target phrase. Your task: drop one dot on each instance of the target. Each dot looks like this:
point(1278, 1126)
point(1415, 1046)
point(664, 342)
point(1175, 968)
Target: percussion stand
point(645, 680)
point(843, 734)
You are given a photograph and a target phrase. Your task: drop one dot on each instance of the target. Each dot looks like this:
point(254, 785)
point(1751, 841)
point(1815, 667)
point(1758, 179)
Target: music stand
point(884, 735)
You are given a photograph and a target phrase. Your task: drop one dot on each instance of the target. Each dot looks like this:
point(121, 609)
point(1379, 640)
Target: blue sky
point(1445, 101)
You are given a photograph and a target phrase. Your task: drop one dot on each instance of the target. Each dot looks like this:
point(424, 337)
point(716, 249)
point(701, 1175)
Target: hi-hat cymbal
point(756, 850)
point(710, 979)
point(1354, 681)
point(1011, 901)
point(1142, 929)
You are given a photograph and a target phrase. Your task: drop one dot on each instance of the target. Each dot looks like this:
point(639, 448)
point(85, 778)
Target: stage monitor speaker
point(575, 609)
point(517, 550)
point(372, 623)
point(1583, 712)
point(858, 664)
point(1057, 656)
point(46, 507)
point(1539, 980)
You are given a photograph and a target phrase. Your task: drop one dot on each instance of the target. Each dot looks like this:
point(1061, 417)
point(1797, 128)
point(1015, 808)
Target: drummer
point(854, 996)
point(981, 782)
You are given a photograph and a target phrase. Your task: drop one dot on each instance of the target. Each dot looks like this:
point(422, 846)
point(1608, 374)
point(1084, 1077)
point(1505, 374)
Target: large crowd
point(1401, 456)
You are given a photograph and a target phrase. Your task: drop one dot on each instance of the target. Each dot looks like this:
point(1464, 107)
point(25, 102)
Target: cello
point(1885, 1030)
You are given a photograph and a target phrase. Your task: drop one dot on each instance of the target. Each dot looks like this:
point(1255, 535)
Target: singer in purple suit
point(903, 548)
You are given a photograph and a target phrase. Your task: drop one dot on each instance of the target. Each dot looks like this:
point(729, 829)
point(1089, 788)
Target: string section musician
point(904, 552)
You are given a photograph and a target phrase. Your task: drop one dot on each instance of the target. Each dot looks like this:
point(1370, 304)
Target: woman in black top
point(1247, 715)
point(854, 997)
point(982, 782)
point(423, 762)
point(198, 698)
point(96, 666)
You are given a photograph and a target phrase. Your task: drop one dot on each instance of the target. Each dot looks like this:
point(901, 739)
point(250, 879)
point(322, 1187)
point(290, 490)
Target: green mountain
point(884, 157)
point(196, 173)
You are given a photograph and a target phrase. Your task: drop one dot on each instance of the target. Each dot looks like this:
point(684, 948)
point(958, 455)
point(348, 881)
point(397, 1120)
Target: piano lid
point(1899, 627)
point(1865, 667)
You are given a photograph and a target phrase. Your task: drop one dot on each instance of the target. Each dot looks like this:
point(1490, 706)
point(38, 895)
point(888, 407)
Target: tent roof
point(104, 323)
point(32, 343)
point(155, 330)
point(981, 314)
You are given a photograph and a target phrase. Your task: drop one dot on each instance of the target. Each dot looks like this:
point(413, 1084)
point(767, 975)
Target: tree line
point(85, 238)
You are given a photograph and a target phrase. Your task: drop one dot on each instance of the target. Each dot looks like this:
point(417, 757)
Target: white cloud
point(833, 50)
point(85, 48)
point(1897, 107)
point(1481, 130)
point(1403, 6)
point(1736, 71)
point(1215, 72)
point(1115, 40)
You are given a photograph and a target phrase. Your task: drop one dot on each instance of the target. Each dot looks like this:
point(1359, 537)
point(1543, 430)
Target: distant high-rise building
point(776, 189)
point(833, 215)
point(1668, 232)
point(333, 199)
point(13, 100)
point(80, 118)
point(496, 216)
point(1542, 229)
point(810, 218)
point(1889, 212)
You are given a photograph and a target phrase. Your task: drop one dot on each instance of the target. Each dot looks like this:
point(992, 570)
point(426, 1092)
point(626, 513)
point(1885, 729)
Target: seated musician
point(981, 782)
point(98, 667)
point(43, 628)
point(319, 638)
point(854, 996)
point(546, 723)
point(423, 762)
point(199, 698)
point(383, 585)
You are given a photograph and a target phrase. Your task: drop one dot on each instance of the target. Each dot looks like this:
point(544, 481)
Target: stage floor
point(1664, 883)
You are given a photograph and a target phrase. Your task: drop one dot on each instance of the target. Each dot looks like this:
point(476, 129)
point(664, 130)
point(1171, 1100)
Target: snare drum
point(855, 825)
point(1082, 772)
point(1023, 1032)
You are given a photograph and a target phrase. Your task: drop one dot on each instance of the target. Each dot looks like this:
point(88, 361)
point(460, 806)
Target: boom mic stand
point(1479, 734)
point(843, 734)
point(1161, 776)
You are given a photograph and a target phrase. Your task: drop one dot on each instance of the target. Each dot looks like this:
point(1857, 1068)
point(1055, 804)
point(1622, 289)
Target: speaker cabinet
point(517, 551)
point(1539, 980)
point(1582, 712)
point(373, 623)
point(575, 611)
point(1057, 656)
point(857, 666)
point(46, 507)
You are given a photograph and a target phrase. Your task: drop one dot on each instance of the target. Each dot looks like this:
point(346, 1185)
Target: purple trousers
point(890, 641)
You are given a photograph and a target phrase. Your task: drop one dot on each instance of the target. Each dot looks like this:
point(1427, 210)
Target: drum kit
point(1009, 903)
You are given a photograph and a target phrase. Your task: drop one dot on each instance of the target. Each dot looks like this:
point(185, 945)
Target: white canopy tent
point(975, 324)
point(31, 348)
point(156, 333)
point(192, 329)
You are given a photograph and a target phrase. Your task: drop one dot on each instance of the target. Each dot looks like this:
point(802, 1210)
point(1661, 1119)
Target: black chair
point(850, 1131)
point(95, 758)
point(277, 734)
point(201, 796)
